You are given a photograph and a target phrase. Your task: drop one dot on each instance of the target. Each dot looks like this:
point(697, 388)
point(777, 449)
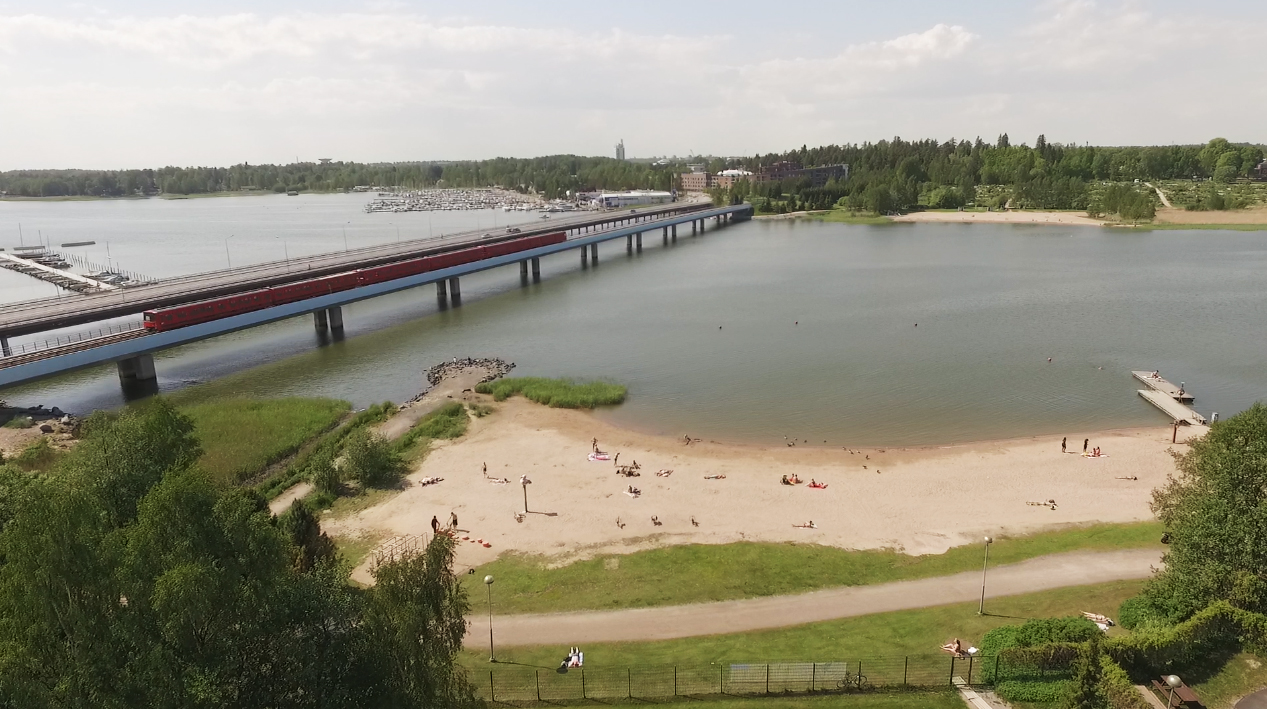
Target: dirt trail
point(1161, 195)
point(450, 388)
point(281, 503)
point(664, 623)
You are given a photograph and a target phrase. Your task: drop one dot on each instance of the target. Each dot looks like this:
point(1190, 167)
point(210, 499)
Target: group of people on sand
point(453, 523)
point(790, 480)
point(1064, 444)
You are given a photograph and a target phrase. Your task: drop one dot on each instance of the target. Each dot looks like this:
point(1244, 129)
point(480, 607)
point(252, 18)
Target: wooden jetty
point(1175, 410)
point(1163, 386)
point(62, 278)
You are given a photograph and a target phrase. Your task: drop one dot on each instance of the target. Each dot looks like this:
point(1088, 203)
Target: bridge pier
point(136, 369)
point(585, 256)
point(335, 316)
point(694, 226)
point(594, 253)
point(638, 241)
point(455, 287)
point(674, 228)
point(629, 243)
point(523, 271)
point(536, 268)
point(320, 321)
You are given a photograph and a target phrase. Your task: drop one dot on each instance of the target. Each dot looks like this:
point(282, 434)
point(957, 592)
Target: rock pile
point(496, 368)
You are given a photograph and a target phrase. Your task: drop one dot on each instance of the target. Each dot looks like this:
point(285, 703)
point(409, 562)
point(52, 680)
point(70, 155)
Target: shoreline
point(915, 499)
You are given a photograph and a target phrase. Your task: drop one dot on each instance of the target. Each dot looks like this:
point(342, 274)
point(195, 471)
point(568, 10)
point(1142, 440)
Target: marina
point(57, 268)
point(440, 200)
point(1175, 410)
point(1156, 383)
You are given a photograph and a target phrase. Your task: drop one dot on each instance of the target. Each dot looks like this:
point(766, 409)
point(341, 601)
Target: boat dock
point(1175, 410)
point(1163, 386)
point(60, 277)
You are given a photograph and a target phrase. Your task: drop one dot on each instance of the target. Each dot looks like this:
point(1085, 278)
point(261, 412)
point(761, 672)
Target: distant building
point(620, 149)
point(697, 180)
point(611, 200)
point(727, 178)
point(325, 161)
point(1260, 170)
point(818, 176)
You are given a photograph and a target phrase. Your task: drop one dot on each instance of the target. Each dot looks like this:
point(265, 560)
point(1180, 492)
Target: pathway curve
point(1160, 194)
point(668, 622)
point(1257, 700)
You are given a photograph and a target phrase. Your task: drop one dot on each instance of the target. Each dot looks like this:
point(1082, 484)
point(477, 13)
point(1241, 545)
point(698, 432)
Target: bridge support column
point(335, 316)
point(523, 269)
point(674, 228)
point(638, 241)
point(694, 226)
point(536, 268)
point(137, 369)
point(629, 243)
point(455, 287)
point(4, 347)
point(585, 256)
point(594, 253)
point(320, 320)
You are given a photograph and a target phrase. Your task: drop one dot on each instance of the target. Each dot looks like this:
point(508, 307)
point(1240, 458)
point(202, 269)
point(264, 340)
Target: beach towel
point(595, 457)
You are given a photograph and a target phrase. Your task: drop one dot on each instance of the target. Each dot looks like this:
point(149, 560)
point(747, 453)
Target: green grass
point(844, 216)
point(39, 456)
point(557, 393)
point(1243, 674)
point(353, 550)
point(20, 422)
point(699, 573)
point(329, 443)
point(904, 700)
point(897, 634)
point(448, 421)
point(242, 437)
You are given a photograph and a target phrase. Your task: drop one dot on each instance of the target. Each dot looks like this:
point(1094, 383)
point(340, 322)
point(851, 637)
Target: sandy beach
point(1013, 217)
point(1256, 215)
point(921, 500)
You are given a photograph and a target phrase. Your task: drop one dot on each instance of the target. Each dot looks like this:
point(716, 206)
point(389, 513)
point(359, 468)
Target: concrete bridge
point(132, 347)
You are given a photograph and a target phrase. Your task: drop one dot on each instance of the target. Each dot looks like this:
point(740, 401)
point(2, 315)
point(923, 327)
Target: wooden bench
point(1181, 696)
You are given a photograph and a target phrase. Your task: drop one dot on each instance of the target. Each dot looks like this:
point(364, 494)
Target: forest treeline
point(886, 176)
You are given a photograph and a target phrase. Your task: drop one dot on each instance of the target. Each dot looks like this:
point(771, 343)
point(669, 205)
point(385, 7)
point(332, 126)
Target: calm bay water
point(754, 332)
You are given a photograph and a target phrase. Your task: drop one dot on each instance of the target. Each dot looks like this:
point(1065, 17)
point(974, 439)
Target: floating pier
point(59, 277)
point(1173, 409)
point(1163, 386)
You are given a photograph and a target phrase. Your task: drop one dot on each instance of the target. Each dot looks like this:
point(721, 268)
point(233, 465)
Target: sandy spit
point(1013, 217)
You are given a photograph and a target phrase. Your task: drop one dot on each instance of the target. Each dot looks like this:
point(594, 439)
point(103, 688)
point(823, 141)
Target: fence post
point(970, 659)
point(721, 680)
point(859, 675)
point(813, 676)
point(492, 690)
point(537, 674)
point(996, 669)
point(952, 669)
point(629, 682)
point(675, 680)
point(583, 684)
point(767, 678)
point(906, 668)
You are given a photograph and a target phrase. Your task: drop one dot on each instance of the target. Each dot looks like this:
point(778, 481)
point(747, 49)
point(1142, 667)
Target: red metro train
point(207, 310)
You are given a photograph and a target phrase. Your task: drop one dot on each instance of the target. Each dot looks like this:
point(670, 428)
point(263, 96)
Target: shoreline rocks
point(496, 368)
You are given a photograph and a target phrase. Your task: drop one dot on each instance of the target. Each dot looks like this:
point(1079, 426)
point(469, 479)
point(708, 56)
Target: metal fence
point(525, 685)
point(73, 337)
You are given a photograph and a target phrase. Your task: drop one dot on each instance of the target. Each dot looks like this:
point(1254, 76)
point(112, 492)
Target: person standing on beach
point(1085, 441)
point(486, 470)
point(435, 525)
point(1062, 444)
point(595, 444)
point(453, 521)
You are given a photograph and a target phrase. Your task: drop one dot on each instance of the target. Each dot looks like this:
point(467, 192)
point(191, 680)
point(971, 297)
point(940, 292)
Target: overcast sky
point(148, 83)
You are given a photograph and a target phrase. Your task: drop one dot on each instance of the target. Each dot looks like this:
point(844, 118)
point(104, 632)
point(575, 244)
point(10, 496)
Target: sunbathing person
point(817, 485)
point(784, 481)
point(793, 479)
point(954, 647)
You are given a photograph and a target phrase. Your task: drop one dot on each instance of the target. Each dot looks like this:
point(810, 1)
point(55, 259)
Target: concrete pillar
point(585, 256)
point(455, 287)
point(138, 368)
point(638, 241)
point(629, 242)
point(694, 226)
point(536, 268)
point(675, 231)
point(4, 347)
point(594, 253)
point(335, 316)
point(442, 290)
point(523, 269)
point(320, 321)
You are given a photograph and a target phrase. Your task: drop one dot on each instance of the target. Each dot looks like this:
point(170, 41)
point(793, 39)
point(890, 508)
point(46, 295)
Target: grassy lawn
point(241, 437)
point(908, 700)
point(700, 573)
point(1243, 674)
point(893, 635)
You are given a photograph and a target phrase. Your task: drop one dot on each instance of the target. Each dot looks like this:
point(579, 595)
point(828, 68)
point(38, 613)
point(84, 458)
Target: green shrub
point(1138, 612)
point(323, 474)
point(1039, 631)
point(556, 393)
point(20, 422)
point(448, 421)
point(1036, 692)
point(1117, 687)
point(301, 467)
point(37, 456)
point(372, 461)
point(479, 410)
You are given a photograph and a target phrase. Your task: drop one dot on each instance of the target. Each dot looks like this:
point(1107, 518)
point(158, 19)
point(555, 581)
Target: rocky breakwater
point(495, 368)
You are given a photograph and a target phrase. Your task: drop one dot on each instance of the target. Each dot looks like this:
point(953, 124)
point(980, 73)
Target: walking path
point(668, 622)
point(1257, 700)
point(1160, 194)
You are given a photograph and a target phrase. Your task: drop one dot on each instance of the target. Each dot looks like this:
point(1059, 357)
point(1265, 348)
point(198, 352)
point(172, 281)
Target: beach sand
point(1013, 217)
point(921, 500)
point(1256, 215)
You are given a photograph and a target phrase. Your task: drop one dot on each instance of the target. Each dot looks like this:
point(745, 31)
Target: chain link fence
point(528, 686)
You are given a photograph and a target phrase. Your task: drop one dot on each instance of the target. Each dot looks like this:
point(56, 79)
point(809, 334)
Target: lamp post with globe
point(488, 582)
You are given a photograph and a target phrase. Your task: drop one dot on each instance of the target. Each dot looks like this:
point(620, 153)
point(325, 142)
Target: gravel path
point(664, 623)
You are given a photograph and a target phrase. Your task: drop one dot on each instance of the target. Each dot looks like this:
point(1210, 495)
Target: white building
point(611, 200)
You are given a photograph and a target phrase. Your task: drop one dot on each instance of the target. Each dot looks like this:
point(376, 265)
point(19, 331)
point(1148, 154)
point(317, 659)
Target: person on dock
point(1062, 444)
point(1085, 441)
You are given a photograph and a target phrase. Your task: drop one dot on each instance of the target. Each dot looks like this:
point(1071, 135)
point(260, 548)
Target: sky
point(147, 83)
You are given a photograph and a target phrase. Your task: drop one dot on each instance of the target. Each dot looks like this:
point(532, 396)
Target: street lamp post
point(984, 565)
point(1175, 683)
point(488, 582)
point(226, 252)
point(523, 480)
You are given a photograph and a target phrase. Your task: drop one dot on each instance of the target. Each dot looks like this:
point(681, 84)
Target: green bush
point(324, 475)
point(20, 422)
point(301, 467)
point(1036, 632)
point(371, 461)
point(1036, 692)
point(556, 393)
point(1118, 688)
point(37, 456)
point(1139, 611)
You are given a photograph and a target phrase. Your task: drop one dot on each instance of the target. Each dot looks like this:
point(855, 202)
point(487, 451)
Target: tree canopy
point(129, 578)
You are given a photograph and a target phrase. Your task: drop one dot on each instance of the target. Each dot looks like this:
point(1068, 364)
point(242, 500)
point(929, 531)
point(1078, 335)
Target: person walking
point(453, 521)
point(435, 525)
point(1062, 444)
point(1085, 441)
